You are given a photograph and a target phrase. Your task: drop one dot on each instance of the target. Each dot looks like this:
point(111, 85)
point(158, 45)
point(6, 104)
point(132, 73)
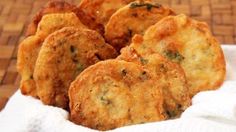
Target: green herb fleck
point(143, 61)
point(134, 5)
point(171, 114)
point(79, 67)
point(148, 5)
point(174, 55)
point(105, 101)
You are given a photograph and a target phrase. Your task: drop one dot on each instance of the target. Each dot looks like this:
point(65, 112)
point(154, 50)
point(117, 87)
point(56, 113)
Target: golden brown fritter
point(115, 93)
point(133, 19)
point(64, 54)
point(189, 43)
point(56, 21)
point(98, 12)
point(30, 47)
point(170, 75)
point(56, 6)
point(26, 58)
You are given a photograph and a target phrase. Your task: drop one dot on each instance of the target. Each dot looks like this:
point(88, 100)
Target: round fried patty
point(26, 59)
point(64, 54)
point(30, 47)
point(170, 76)
point(189, 43)
point(133, 19)
point(115, 93)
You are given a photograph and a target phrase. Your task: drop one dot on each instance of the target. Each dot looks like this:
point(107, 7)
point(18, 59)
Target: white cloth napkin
point(211, 111)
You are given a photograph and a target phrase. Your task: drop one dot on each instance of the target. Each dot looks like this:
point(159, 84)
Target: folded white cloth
point(230, 55)
point(211, 111)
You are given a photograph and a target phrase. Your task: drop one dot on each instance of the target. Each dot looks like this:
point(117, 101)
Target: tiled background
point(15, 14)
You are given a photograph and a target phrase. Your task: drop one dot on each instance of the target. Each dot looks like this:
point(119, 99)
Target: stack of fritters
point(113, 63)
point(52, 21)
point(30, 47)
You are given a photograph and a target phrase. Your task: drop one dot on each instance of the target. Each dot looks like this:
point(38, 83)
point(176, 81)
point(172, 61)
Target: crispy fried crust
point(30, 47)
point(56, 21)
point(115, 93)
point(56, 6)
point(98, 12)
point(132, 19)
point(170, 75)
point(26, 58)
point(64, 54)
point(189, 43)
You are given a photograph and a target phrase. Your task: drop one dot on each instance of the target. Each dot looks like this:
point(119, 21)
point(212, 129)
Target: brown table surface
point(16, 14)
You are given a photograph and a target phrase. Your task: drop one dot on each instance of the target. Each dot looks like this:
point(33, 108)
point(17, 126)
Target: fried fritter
point(55, 6)
point(189, 43)
point(132, 19)
point(115, 93)
point(53, 22)
point(170, 75)
point(27, 54)
point(64, 54)
point(98, 12)
point(30, 47)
